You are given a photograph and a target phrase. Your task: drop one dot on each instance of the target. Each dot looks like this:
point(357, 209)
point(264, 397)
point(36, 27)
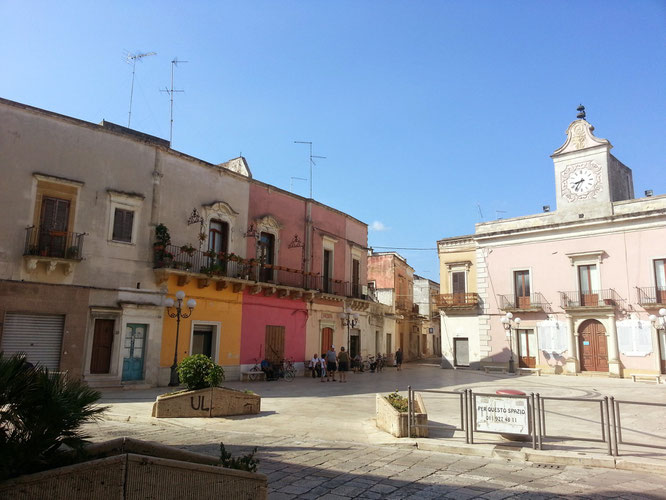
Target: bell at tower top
point(581, 112)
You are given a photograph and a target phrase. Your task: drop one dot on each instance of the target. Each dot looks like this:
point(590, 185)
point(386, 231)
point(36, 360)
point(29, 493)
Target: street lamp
point(350, 320)
point(509, 322)
point(169, 303)
point(659, 322)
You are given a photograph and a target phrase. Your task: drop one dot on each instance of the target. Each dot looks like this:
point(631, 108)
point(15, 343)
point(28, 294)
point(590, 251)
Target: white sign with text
point(504, 415)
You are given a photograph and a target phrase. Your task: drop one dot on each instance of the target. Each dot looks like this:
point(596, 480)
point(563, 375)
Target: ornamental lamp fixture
point(659, 322)
point(178, 314)
point(510, 323)
point(350, 320)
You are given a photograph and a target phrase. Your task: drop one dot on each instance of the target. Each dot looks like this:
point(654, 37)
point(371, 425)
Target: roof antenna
point(171, 91)
point(291, 182)
point(478, 205)
point(311, 161)
point(131, 58)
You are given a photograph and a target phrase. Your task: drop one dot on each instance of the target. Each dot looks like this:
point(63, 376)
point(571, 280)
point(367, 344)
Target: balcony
point(52, 248)
point(651, 296)
point(608, 299)
point(224, 270)
point(536, 302)
point(457, 301)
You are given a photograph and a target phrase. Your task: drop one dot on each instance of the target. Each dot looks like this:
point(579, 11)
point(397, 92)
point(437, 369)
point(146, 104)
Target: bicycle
point(256, 371)
point(288, 369)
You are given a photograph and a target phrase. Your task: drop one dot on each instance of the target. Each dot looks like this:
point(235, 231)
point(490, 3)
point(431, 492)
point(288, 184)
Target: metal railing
point(651, 295)
point(58, 244)
point(535, 301)
point(610, 419)
point(457, 300)
point(197, 261)
point(594, 298)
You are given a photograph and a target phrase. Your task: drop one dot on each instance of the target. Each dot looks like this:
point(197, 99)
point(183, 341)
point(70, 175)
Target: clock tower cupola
point(588, 177)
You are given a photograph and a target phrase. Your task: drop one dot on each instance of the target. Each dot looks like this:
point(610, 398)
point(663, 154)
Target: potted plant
point(187, 248)
point(391, 412)
point(203, 397)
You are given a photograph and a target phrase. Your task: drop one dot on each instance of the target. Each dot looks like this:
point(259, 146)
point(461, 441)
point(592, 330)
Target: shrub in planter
point(398, 402)
point(199, 372)
point(41, 414)
point(244, 462)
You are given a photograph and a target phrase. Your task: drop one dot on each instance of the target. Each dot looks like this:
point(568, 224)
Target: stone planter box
point(130, 469)
point(211, 402)
point(394, 422)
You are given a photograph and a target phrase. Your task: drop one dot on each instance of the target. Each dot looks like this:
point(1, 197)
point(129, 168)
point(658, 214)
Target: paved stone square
point(318, 440)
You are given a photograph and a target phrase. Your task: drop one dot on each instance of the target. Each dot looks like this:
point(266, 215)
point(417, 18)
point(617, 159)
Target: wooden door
point(274, 343)
point(587, 282)
point(527, 349)
point(53, 223)
point(521, 281)
point(461, 352)
point(593, 346)
point(458, 287)
point(134, 349)
point(326, 339)
point(100, 360)
point(660, 280)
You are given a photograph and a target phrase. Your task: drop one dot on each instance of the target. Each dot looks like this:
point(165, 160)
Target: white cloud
point(378, 226)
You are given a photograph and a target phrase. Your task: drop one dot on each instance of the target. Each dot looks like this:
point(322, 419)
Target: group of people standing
point(329, 363)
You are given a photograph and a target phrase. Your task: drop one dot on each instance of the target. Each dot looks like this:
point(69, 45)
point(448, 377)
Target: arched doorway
point(593, 346)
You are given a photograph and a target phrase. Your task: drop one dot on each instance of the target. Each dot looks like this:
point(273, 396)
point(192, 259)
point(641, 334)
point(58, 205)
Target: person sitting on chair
point(267, 368)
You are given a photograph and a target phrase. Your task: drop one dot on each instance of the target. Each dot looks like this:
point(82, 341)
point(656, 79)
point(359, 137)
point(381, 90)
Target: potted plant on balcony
point(188, 249)
point(72, 253)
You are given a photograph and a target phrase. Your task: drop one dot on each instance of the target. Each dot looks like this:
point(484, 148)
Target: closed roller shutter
point(37, 335)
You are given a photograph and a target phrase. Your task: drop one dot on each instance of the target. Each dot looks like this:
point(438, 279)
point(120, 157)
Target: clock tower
point(588, 178)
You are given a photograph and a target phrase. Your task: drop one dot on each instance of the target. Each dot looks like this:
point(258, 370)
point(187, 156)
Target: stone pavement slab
point(319, 441)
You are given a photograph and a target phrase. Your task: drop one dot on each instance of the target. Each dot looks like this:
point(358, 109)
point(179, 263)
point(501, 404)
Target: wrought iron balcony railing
point(54, 244)
point(594, 298)
point(651, 295)
point(457, 300)
point(534, 302)
point(232, 266)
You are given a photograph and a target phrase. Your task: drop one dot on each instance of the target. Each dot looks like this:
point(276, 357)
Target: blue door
point(135, 337)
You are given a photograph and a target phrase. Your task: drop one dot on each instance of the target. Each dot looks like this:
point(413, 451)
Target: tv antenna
point(291, 182)
point(171, 91)
point(312, 162)
point(478, 205)
point(131, 58)
point(498, 212)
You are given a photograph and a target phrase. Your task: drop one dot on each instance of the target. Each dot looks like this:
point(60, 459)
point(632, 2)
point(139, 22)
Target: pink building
point(311, 267)
point(576, 289)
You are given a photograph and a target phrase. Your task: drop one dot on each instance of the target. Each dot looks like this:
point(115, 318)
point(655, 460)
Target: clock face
point(581, 181)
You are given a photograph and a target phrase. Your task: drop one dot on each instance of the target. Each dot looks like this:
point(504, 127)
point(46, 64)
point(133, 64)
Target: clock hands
point(578, 184)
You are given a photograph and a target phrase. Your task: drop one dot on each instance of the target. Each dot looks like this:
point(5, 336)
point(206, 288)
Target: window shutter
point(122, 225)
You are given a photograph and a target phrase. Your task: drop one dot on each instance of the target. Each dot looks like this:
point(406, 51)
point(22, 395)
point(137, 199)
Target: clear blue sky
point(424, 109)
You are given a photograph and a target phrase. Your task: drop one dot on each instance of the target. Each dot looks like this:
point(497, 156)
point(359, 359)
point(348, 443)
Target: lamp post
point(350, 320)
point(509, 323)
point(169, 303)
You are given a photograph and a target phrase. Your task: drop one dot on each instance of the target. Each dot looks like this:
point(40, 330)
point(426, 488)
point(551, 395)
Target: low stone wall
point(395, 423)
point(211, 402)
point(130, 476)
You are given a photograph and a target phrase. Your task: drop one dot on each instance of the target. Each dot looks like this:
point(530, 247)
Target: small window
point(123, 221)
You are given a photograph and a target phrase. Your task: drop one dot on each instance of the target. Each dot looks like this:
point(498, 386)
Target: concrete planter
point(128, 469)
point(211, 402)
point(394, 422)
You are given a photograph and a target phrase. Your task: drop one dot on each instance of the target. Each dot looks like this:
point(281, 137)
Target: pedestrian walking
point(322, 366)
point(398, 358)
point(343, 364)
point(331, 364)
